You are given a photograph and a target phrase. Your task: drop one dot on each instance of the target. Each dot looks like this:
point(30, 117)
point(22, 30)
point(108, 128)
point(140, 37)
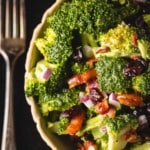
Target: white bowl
point(53, 141)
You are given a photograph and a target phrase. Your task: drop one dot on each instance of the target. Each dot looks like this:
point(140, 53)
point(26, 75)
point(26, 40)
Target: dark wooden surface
point(27, 137)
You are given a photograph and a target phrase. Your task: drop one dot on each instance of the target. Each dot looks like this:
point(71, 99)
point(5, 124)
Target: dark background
point(27, 137)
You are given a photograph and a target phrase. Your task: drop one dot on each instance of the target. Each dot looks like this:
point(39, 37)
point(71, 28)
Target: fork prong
point(22, 20)
point(15, 20)
point(7, 20)
point(1, 34)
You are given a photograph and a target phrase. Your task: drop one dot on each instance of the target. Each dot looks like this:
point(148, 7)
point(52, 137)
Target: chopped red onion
point(113, 100)
point(88, 103)
point(85, 99)
point(142, 119)
point(93, 84)
point(103, 129)
point(46, 73)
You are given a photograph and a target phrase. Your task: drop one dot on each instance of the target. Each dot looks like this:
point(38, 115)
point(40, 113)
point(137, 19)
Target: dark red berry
point(135, 67)
point(96, 95)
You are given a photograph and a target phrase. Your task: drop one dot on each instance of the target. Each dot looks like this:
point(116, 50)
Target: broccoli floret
point(146, 18)
point(32, 85)
point(45, 77)
point(141, 83)
point(79, 67)
point(92, 123)
point(88, 16)
point(141, 146)
point(111, 76)
point(119, 41)
point(58, 102)
point(44, 42)
point(60, 126)
point(117, 127)
point(144, 47)
point(57, 77)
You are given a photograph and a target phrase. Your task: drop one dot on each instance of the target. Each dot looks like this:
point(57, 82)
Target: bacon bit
point(80, 146)
point(131, 136)
point(102, 50)
point(89, 145)
point(135, 56)
point(75, 124)
point(134, 39)
point(112, 112)
point(91, 62)
point(130, 99)
point(79, 79)
point(102, 107)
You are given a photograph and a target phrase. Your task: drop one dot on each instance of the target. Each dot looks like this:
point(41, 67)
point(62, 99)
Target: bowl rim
point(52, 140)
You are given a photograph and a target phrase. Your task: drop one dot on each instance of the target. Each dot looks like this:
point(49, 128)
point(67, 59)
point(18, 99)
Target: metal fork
point(12, 45)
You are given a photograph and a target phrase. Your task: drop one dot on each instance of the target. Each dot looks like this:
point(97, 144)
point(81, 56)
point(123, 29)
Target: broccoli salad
point(92, 79)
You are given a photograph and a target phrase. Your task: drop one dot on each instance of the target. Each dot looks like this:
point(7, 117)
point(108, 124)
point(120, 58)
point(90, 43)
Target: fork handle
point(8, 135)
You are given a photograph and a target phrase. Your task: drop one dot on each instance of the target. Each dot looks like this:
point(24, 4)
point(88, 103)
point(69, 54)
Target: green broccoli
point(60, 126)
point(86, 17)
point(146, 18)
point(119, 41)
point(116, 129)
point(110, 74)
point(45, 77)
point(44, 42)
point(109, 132)
point(80, 67)
point(32, 85)
point(92, 123)
point(144, 47)
point(141, 146)
point(58, 102)
point(141, 83)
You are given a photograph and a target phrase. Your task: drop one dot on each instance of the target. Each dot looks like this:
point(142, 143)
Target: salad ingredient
point(32, 85)
point(141, 82)
point(120, 42)
point(95, 95)
point(81, 78)
point(135, 67)
point(144, 47)
point(44, 42)
point(130, 99)
point(75, 124)
point(61, 29)
point(91, 78)
point(113, 100)
point(102, 107)
point(62, 101)
point(88, 145)
point(117, 128)
point(92, 123)
point(146, 18)
point(78, 68)
point(110, 74)
point(39, 84)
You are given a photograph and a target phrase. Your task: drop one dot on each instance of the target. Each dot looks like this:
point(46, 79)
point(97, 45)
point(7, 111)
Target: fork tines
point(12, 13)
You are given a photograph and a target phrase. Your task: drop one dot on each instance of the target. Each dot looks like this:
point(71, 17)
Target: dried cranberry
point(70, 113)
point(78, 56)
point(88, 136)
point(135, 67)
point(95, 95)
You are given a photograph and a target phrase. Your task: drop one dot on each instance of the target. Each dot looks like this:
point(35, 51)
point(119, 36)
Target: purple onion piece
point(113, 100)
point(142, 119)
point(103, 129)
point(47, 73)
